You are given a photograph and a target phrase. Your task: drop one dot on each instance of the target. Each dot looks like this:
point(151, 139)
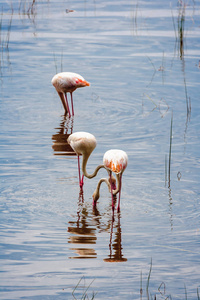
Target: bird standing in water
point(83, 143)
point(114, 161)
point(67, 82)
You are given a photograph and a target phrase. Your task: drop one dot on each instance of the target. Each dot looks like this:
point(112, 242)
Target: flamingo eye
point(78, 80)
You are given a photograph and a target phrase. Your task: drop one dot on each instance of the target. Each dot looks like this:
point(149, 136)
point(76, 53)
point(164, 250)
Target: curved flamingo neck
point(118, 176)
point(96, 193)
point(84, 163)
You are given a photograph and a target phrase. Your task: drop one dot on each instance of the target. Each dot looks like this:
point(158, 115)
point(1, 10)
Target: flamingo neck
point(118, 176)
point(96, 193)
point(84, 163)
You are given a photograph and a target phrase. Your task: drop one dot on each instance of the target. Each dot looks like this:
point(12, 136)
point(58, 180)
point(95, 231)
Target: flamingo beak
point(86, 83)
point(81, 82)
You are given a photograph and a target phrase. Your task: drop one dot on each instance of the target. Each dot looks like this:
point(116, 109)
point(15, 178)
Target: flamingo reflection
point(82, 232)
point(86, 224)
point(115, 245)
point(60, 144)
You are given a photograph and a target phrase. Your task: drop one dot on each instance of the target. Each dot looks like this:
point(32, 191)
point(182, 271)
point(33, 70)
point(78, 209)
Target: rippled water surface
point(142, 60)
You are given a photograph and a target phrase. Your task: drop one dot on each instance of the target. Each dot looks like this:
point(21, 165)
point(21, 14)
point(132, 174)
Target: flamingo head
point(115, 160)
point(95, 197)
point(80, 82)
point(83, 143)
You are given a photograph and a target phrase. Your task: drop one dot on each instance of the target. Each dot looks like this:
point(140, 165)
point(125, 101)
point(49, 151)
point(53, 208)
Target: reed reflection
point(60, 144)
point(82, 232)
point(170, 207)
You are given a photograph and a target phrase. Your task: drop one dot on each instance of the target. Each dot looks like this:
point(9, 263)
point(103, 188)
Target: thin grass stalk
point(170, 151)
point(162, 69)
point(93, 296)
point(61, 63)
point(153, 72)
point(181, 23)
point(185, 292)
point(175, 33)
point(1, 23)
point(85, 293)
point(198, 294)
point(1, 42)
point(173, 23)
point(151, 101)
point(165, 169)
point(76, 288)
point(181, 36)
point(141, 291)
point(54, 57)
point(148, 280)
point(9, 30)
point(186, 95)
point(31, 8)
point(22, 8)
point(134, 18)
point(151, 63)
point(168, 297)
point(188, 101)
point(20, 4)
point(136, 11)
point(164, 288)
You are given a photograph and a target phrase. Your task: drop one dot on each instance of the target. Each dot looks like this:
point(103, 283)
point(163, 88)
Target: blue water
point(142, 81)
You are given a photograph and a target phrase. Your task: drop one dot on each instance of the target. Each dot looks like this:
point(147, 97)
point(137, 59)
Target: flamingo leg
point(67, 104)
point(79, 173)
point(81, 182)
point(120, 185)
point(72, 104)
point(111, 188)
point(62, 97)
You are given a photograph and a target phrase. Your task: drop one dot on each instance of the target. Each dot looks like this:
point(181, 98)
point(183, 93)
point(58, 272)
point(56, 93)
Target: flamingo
point(67, 82)
point(116, 161)
point(83, 143)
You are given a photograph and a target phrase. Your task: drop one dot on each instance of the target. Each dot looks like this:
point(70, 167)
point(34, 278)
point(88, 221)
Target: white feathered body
point(65, 82)
point(82, 142)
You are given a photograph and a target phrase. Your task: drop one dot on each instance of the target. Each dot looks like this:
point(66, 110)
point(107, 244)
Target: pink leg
point(67, 104)
point(72, 104)
point(113, 185)
point(81, 182)
point(113, 206)
point(120, 185)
